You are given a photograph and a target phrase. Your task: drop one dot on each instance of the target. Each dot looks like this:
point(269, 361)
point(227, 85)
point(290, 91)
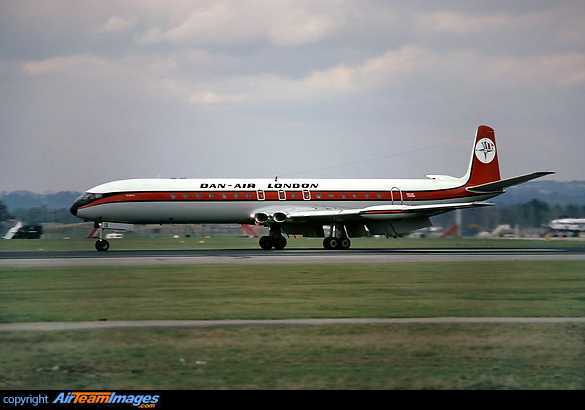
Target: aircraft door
point(396, 196)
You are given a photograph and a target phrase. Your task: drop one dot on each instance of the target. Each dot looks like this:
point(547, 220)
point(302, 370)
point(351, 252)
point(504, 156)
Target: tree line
point(537, 213)
point(37, 215)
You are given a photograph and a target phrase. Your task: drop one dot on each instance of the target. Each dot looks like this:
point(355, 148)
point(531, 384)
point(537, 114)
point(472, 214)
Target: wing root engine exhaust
point(266, 218)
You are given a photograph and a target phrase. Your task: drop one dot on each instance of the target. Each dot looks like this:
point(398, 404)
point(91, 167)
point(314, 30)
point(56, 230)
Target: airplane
point(568, 226)
point(351, 207)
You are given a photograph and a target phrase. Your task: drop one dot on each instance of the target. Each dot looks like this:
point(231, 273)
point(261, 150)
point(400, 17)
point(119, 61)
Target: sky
point(95, 91)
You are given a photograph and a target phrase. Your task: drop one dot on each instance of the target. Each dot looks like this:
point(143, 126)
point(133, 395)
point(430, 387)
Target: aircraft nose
point(74, 209)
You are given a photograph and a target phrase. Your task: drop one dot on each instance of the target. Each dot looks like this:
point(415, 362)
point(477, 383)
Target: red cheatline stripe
point(394, 196)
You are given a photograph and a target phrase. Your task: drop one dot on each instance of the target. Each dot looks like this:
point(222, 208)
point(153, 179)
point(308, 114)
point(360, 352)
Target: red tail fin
point(484, 166)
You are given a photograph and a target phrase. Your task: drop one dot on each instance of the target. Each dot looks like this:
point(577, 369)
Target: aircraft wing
point(377, 212)
point(389, 220)
point(328, 215)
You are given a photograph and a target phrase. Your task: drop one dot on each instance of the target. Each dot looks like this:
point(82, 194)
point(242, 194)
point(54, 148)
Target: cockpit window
point(87, 197)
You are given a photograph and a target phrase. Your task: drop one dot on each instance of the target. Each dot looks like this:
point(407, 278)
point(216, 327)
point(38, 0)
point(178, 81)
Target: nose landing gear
point(101, 245)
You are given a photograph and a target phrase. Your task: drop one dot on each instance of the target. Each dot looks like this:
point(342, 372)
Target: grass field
point(334, 357)
point(555, 288)
point(491, 356)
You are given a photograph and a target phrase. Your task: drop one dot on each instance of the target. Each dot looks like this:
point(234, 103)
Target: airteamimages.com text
point(82, 398)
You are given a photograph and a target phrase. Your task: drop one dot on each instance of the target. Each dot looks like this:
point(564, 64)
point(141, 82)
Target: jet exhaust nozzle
point(262, 217)
point(279, 217)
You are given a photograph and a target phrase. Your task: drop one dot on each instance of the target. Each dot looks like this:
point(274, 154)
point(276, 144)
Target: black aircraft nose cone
point(73, 209)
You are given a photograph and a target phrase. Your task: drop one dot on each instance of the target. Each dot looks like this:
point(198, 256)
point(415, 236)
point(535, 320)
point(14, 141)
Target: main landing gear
point(336, 243)
point(269, 242)
point(274, 240)
point(337, 240)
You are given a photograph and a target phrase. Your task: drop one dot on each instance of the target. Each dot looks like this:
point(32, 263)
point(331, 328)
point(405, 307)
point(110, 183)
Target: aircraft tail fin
point(484, 166)
point(483, 174)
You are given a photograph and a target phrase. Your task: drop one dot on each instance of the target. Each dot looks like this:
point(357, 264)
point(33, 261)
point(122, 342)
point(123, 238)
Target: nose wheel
point(102, 245)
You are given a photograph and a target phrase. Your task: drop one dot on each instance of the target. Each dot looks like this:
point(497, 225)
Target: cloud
point(464, 23)
point(281, 23)
point(209, 97)
point(167, 78)
point(561, 70)
point(416, 68)
point(117, 24)
point(156, 81)
point(72, 64)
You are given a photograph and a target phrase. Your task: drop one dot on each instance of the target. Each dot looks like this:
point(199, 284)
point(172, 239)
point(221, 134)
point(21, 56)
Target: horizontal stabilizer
point(499, 186)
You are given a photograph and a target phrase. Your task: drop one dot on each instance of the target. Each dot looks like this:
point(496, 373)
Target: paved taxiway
point(223, 324)
point(253, 256)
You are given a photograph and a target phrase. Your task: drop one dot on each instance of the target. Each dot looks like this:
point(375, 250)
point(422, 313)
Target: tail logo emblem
point(485, 150)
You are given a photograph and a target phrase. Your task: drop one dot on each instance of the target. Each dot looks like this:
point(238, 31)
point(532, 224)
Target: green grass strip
point(546, 288)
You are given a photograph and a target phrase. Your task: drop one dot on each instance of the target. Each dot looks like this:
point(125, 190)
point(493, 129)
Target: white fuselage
point(237, 200)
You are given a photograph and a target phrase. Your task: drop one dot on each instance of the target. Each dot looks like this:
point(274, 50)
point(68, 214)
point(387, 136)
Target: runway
point(258, 256)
